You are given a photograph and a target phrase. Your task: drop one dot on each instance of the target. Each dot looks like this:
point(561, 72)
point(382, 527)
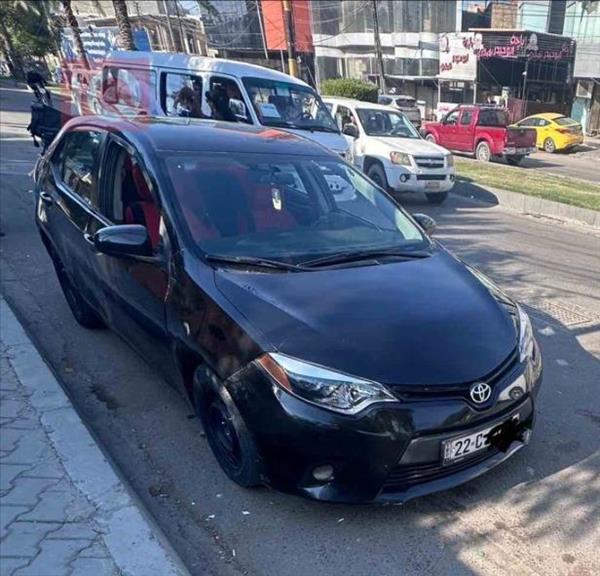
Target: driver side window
point(452, 118)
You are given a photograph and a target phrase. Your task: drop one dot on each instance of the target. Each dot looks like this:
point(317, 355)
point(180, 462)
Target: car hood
point(419, 322)
point(414, 146)
point(332, 141)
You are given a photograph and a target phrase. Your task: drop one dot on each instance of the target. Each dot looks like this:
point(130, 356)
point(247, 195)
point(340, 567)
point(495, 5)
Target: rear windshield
point(490, 117)
point(284, 208)
point(565, 121)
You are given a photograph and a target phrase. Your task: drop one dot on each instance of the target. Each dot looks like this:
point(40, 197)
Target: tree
point(125, 36)
point(74, 25)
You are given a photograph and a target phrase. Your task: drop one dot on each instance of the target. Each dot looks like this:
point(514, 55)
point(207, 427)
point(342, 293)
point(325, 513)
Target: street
point(537, 514)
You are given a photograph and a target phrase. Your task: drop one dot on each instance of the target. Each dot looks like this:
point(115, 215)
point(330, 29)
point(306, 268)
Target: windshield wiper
point(253, 261)
point(342, 257)
point(319, 128)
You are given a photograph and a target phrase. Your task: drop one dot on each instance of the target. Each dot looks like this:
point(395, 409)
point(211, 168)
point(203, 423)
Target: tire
point(377, 174)
point(430, 138)
point(514, 160)
point(436, 198)
point(85, 315)
point(549, 146)
point(483, 152)
point(226, 432)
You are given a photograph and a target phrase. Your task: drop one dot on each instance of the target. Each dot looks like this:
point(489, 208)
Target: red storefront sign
point(274, 25)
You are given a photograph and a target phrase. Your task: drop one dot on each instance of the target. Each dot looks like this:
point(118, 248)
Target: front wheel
point(549, 145)
point(226, 432)
point(377, 174)
point(430, 138)
point(483, 152)
point(436, 198)
point(514, 160)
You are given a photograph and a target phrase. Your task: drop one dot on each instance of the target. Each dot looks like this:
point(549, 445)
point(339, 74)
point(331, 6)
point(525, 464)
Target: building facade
point(343, 35)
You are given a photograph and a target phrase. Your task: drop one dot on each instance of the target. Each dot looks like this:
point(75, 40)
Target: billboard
point(458, 59)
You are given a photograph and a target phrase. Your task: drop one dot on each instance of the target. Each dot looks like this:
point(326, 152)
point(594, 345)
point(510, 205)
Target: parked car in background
point(390, 151)
point(483, 131)
point(554, 131)
point(328, 345)
point(174, 84)
point(406, 104)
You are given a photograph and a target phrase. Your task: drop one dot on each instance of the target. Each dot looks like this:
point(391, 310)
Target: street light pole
point(378, 52)
point(289, 36)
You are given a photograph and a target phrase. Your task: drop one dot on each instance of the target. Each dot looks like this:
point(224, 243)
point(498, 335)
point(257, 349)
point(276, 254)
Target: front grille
point(429, 161)
point(496, 376)
point(431, 176)
point(402, 477)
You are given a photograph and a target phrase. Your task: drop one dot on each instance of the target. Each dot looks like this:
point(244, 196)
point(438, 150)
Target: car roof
point(199, 63)
point(195, 135)
point(357, 103)
point(548, 115)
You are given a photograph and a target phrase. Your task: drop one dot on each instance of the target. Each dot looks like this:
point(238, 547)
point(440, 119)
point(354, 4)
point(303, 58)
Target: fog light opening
point(404, 177)
point(452, 177)
point(516, 393)
point(323, 473)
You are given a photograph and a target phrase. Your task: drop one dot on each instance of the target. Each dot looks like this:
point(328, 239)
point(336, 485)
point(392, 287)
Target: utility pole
point(289, 36)
point(262, 28)
point(378, 52)
point(171, 35)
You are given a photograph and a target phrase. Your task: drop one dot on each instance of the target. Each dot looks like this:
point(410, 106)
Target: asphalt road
point(539, 513)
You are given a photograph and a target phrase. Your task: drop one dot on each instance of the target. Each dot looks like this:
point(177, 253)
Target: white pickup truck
point(390, 151)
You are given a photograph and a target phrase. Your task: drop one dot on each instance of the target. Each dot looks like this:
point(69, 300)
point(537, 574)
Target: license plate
point(463, 446)
point(432, 185)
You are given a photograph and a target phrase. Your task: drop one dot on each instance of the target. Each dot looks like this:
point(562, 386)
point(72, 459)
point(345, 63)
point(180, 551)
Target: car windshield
point(285, 208)
point(288, 105)
point(565, 121)
point(386, 123)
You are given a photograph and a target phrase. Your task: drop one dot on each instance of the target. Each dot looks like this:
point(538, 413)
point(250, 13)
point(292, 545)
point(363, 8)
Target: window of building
point(77, 163)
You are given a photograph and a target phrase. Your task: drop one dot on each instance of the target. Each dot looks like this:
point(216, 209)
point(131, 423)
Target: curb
point(135, 542)
point(528, 204)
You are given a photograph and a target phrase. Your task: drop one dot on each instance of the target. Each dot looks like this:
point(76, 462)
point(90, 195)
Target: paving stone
point(10, 438)
point(9, 565)
point(75, 531)
point(97, 566)
point(64, 505)
point(23, 538)
point(8, 473)
point(49, 468)
point(26, 492)
point(54, 558)
point(9, 513)
point(11, 408)
point(32, 448)
point(96, 550)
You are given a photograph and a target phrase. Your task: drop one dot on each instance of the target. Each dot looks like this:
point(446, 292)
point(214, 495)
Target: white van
point(170, 84)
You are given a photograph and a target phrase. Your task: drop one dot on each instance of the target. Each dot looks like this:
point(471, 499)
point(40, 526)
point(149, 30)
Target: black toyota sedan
point(330, 347)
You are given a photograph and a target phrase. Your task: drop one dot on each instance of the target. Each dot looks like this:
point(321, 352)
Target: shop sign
point(524, 46)
point(457, 55)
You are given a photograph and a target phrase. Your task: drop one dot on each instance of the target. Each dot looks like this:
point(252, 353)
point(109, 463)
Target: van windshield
point(288, 105)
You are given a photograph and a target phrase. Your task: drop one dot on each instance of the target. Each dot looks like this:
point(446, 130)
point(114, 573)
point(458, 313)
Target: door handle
point(46, 198)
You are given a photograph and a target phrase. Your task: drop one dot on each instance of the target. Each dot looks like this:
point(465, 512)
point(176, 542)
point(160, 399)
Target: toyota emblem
point(480, 392)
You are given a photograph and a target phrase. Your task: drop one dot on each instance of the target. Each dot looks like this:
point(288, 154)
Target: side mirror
point(426, 222)
point(123, 240)
point(238, 108)
point(350, 130)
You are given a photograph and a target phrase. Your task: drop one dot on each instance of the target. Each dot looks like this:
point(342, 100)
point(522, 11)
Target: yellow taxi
point(554, 131)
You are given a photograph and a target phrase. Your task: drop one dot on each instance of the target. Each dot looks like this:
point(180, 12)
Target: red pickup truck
point(483, 131)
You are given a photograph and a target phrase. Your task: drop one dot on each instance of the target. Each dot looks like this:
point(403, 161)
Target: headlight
point(321, 386)
point(400, 158)
point(526, 343)
point(449, 161)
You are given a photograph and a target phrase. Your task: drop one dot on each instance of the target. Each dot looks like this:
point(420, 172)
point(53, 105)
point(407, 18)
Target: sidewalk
point(63, 509)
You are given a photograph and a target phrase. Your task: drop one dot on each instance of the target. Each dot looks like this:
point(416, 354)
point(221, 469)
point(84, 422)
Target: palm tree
point(74, 25)
point(124, 37)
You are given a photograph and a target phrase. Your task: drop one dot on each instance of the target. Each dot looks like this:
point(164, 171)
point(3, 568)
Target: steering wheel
point(303, 116)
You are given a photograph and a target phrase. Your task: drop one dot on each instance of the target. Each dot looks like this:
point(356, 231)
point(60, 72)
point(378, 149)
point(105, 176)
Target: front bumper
point(411, 179)
point(388, 452)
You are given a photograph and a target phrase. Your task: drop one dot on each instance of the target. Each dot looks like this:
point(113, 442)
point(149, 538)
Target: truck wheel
point(430, 138)
point(436, 198)
point(377, 174)
point(483, 152)
point(514, 160)
point(549, 145)
point(226, 432)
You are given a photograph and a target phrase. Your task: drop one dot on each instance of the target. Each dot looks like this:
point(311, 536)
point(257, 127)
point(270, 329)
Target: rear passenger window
point(466, 117)
point(226, 92)
point(181, 95)
point(77, 163)
point(128, 88)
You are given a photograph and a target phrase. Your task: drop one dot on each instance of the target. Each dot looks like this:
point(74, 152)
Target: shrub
point(350, 88)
